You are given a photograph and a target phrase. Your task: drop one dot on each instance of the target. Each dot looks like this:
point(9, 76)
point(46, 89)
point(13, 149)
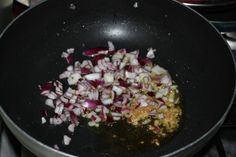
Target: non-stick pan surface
point(187, 45)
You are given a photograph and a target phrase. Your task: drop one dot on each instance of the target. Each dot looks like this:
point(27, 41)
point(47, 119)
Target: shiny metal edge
point(209, 5)
point(28, 140)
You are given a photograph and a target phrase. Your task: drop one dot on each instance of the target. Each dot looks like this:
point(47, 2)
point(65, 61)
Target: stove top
point(224, 142)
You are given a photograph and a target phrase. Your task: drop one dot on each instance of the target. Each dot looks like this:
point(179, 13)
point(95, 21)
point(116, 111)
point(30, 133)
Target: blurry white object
point(29, 3)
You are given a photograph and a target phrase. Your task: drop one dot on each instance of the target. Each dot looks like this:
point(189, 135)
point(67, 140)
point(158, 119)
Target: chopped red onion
point(90, 104)
point(93, 51)
point(122, 65)
point(103, 88)
point(111, 46)
point(85, 71)
point(166, 80)
point(65, 74)
point(46, 87)
point(51, 95)
point(55, 121)
point(68, 106)
point(49, 102)
point(59, 109)
point(93, 76)
point(73, 118)
point(163, 107)
point(150, 53)
point(67, 56)
point(107, 101)
point(117, 90)
point(55, 146)
point(116, 118)
point(43, 120)
point(103, 52)
point(158, 70)
point(153, 113)
point(71, 128)
point(109, 77)
point(93, 95)
point(97, 69)
point(70, 50)
point(102, 64)
point(77, 66)
point(144, 61)
point(70, 68)
point(77, 111)
point(64, 55)
point(131, 75)
point(66, 140)
point(98, 57)
point(91, 123)
point(116, 114)
point(44, 113)
point(135, 5)
point(73, 78)
point(134, 90)
point(63, 99)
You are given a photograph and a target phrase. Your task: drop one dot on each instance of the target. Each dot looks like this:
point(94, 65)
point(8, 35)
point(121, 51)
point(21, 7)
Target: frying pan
point(195, 54)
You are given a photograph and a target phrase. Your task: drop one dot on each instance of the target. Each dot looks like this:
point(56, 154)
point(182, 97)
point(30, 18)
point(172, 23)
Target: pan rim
point(17, 130)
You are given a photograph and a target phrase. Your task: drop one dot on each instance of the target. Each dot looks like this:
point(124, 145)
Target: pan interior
point(194, 53)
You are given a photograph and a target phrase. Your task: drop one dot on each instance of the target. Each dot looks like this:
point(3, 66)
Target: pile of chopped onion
point(103, 87)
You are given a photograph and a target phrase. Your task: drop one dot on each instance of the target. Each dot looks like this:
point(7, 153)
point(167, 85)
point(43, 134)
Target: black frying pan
point(188, 46)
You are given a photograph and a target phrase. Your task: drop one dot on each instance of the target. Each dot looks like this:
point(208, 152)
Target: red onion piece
point(43, 120)
point(66, 140)
point(55, 121)
point(73, 118)
point(144, 61)
point(73, 78)
point(158, 70)
point(111, 52)
point(44, 113)
point(69, 106)
point(93, 95)
point(110, 119)
point(93, 76)
point(151, 94)
point(55, 146)
point(71, 128)
point(108, 77)
point(69, 59)
point(93, 51)
point(45, 87)
point(49, 102)
point(90, 104)
point(59, 109)
point(117, 90)
point(123, 83)
point(98, 57)
point(131, 75)
point(107, 101)
point(111, 46)
point(150, 53)
point(85, 71)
